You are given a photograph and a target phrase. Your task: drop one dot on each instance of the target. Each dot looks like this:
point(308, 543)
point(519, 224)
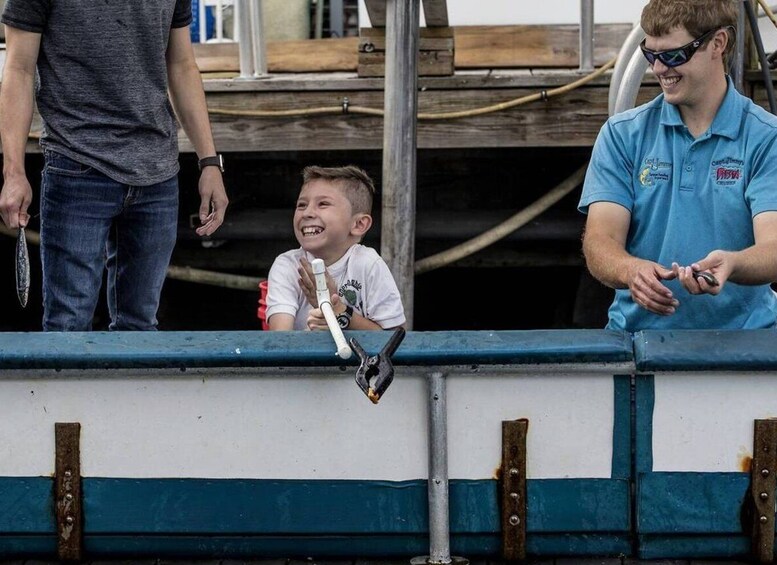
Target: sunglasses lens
point(673, 58)
point(649, 56)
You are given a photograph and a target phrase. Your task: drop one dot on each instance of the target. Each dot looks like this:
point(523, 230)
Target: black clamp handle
point(377, 367)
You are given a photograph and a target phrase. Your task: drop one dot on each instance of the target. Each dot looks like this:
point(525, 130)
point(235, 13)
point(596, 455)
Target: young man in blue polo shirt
point(681, 193)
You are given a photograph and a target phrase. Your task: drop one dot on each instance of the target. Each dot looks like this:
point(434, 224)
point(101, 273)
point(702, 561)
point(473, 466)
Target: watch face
point(343, 321)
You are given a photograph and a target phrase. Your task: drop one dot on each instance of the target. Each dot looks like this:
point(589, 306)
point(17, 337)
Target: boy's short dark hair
point(355, 182)
point(698, 17)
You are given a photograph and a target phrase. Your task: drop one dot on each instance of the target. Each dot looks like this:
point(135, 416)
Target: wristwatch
point(213, 161)
point(344, 319)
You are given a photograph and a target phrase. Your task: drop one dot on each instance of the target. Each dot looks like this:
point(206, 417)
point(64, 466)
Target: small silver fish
point(709, 278)
point(22, 268)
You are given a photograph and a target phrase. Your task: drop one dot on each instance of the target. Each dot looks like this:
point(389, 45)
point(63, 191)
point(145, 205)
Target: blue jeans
point(88, 222)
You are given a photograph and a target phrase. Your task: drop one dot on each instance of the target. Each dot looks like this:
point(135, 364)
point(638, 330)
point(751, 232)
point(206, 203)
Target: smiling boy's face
point(323, 220)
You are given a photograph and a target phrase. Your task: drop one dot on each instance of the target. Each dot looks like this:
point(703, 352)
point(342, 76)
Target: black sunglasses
point(675, 57)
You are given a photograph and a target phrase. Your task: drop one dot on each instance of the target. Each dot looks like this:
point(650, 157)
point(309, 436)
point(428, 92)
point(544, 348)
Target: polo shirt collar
point(722, 125)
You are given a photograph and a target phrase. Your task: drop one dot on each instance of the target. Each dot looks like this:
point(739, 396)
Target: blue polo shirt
point(688, 197)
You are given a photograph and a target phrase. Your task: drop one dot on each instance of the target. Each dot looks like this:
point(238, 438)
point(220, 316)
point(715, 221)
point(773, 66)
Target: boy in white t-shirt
point(331, 217)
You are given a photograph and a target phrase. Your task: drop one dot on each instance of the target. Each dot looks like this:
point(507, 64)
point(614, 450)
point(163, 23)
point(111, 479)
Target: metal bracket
point(513, 486)
point(67, 479)
point(762, 489)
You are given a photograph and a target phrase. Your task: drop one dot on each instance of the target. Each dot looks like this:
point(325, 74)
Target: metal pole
point(738, 70)
point(257, 39)
point(202, 21)
point(439, 518)
point(336, 25)
point(399, 146)
point(219, 21)
point(586, 35)
point(244, 40)
point(319, 19)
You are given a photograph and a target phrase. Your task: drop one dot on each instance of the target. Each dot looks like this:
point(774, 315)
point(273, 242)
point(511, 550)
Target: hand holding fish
point(15, 199)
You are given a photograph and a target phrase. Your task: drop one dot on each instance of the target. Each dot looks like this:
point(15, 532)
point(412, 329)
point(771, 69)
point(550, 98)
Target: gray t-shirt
point(102, 82)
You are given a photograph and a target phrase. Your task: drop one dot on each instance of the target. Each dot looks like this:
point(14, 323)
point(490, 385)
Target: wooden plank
point(430, 39)
point(477, 47)
point(301, 56)
point(436, 13)
point(430, 63)
point(376, 10)
point(532, 45)
point(573, 120)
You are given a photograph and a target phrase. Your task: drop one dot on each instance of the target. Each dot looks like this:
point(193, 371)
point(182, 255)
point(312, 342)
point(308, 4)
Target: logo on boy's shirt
point(350, 290)
point(654, 170)
point(727, 172)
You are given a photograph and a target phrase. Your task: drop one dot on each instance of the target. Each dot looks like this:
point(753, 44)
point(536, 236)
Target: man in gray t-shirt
point(109, 191)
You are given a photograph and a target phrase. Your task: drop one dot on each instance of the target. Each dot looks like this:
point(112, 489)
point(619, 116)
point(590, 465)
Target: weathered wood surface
point(399, 148)
point(436, 13)
point(376, 11)
point(477, 47)
point(303, 56)
point(571, 120)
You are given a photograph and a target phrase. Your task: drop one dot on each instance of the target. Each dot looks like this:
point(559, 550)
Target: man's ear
point(361, 224)
point(721, 39)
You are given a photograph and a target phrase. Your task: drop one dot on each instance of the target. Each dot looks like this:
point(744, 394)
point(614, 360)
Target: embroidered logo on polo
point(727, 171)
point(654, 170)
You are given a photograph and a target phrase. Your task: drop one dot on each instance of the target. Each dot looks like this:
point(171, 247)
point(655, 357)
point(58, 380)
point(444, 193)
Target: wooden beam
point(436, 13)
point(400, 147)
point(376, 10)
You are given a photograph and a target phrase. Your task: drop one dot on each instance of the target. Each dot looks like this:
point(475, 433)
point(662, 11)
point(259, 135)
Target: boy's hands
point(307, 282)
point(316, 320)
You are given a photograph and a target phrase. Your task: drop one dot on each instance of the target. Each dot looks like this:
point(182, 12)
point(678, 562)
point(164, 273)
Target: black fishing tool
point(377, 367)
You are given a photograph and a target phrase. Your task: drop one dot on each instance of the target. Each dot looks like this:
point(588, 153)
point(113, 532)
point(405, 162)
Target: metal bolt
point(514, 495)
point(514, 472)
point(514, 520)
point(436, 397)
point(68, 497)
point(764, 495)
point(764, 472)
point(763, 519)
point(68, 474)
point(69, 519)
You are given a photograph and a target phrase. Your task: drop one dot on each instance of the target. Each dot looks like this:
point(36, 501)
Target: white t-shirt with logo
point(363, 281)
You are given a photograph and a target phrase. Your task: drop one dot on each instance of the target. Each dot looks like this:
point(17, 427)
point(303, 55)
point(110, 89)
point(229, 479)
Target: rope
point(543, 95)
point(188, 274)
point(768, 11)
point(505, 228)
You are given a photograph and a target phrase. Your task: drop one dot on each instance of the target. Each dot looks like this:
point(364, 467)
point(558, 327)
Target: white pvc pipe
point(624, 56)
point(325, 304)
point(632, 80)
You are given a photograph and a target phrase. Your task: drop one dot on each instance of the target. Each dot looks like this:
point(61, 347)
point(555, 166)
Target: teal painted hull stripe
point(621, 433)
point(693, 547)
point(316, 547)
point(100, 350)
point(643, 435)
point(268, 507)
point(692, 503)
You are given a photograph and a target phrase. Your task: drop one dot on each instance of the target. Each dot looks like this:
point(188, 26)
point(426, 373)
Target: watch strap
point(344, 319)
point(212, 161)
